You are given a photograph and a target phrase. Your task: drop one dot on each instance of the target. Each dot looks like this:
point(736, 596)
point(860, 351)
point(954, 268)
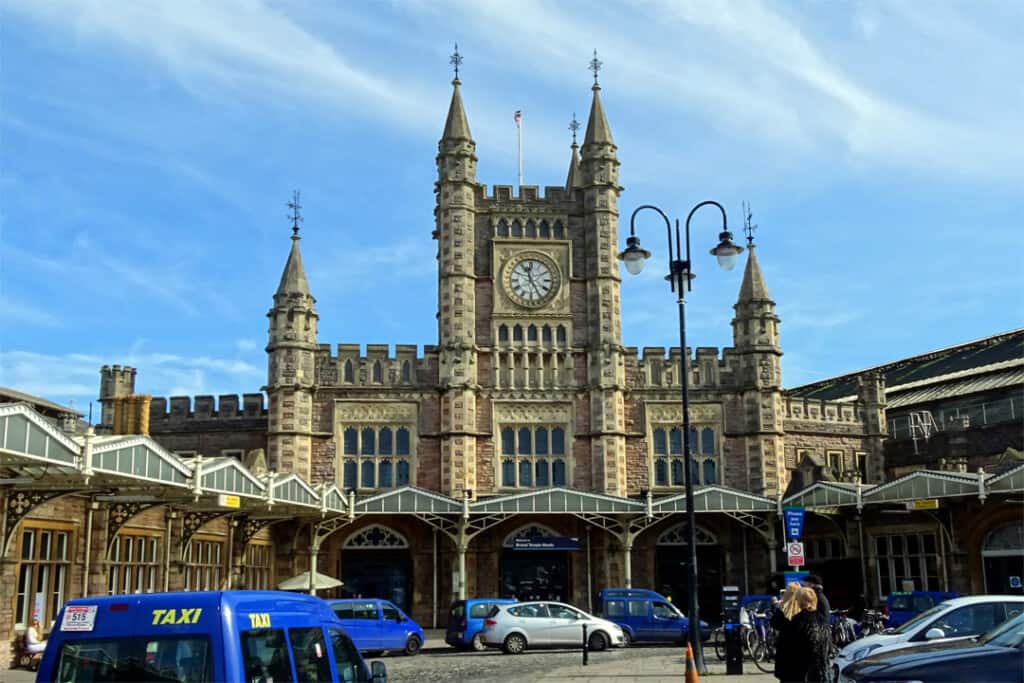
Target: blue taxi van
point(236, 636)
point(376, 625)
point(646, 616)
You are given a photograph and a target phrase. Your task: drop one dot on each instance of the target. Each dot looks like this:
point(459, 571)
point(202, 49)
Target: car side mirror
point(934, 633)
point(379, 671)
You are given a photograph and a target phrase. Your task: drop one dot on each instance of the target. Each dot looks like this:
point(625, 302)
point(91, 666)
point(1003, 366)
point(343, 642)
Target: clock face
point(531, 280)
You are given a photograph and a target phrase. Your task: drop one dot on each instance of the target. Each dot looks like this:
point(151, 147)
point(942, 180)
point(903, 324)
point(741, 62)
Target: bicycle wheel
point(764, 656)
point(751, 640)
point(718, 638)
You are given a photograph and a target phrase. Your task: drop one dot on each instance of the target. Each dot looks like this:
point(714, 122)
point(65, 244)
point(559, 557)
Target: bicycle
point(764, 647)
point(873, 622)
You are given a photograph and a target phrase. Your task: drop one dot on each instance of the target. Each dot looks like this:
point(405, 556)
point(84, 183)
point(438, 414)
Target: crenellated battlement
point(377, 366)
point(816, 410)
point(659, 366)
point(527, 194)
point(207, 407)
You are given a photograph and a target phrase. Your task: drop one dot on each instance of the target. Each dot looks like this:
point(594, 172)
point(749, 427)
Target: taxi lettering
point(170, 617)
point(259, 620)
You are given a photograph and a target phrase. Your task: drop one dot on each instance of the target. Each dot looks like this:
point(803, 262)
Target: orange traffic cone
point(691, 666)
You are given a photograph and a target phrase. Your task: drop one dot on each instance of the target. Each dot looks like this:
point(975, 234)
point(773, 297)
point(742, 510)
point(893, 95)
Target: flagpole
point(519, 130)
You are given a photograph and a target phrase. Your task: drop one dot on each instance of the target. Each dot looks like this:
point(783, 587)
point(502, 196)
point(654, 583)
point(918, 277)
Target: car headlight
point(862, 652)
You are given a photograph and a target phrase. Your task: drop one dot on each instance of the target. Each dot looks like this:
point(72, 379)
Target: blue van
point(466, 622)
point(376, 625)
point(902, 606)
point(236, 636)
point(646, 616)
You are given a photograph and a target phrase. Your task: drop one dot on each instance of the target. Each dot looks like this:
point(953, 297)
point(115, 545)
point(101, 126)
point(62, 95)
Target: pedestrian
point(801, 644)
point(813, 581)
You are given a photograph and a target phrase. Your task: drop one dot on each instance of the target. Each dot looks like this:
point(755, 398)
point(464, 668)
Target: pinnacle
point(293, 279)
point(598, 131)
point(753, 287)
point(456, 127)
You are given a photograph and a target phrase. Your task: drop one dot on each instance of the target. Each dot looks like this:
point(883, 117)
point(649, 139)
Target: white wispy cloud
point(13, 311)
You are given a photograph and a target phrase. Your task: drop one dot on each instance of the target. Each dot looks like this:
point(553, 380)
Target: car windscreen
point(163, 659)
point(1010, 634)
point(921, 618)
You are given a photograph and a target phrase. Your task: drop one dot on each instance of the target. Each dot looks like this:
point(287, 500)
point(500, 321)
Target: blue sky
point(148, 151)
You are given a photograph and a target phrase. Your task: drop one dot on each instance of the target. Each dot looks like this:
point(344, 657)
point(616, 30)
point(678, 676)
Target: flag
point(519, 117)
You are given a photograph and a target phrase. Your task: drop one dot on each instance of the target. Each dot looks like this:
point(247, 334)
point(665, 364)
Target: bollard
point(586, 648)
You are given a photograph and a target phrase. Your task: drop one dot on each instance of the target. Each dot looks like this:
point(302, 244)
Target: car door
point(392, 628)
point(666, 623)
point(536, 621)
point(638, 612)
point(566, 625)
point(366, 622)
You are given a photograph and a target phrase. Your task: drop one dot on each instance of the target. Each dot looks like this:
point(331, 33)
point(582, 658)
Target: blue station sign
point(546, 543)
point(794, 523)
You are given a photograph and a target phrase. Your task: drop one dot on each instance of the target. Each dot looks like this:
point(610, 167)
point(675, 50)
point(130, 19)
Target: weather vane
point(574, 126)
point(455, 60)
point(595, 66)
point(295, 216)
point(748, 226)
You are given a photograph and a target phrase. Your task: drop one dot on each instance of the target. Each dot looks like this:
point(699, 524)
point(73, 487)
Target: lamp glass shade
point(726, 260)
point(634, 262)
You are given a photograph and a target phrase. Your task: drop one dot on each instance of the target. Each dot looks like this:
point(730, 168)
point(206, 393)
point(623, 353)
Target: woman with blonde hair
point(801, 646)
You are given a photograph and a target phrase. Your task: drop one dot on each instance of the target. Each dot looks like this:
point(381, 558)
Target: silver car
point(514, 628)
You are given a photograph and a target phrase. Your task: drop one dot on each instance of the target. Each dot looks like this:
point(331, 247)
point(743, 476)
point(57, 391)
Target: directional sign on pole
point(795, 553)
point(794, 523)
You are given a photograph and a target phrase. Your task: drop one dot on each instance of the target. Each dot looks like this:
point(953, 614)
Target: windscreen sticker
point(78, 618)
point(171, 617)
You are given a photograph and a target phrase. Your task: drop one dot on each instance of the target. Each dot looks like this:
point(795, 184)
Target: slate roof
point(972, 358)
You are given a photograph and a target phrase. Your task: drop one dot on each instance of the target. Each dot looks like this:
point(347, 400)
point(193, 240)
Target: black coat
point(801, 648)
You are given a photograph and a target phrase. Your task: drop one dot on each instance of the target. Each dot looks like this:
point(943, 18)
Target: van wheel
point(515, 644)
point(412, 646)
point(478, 642)
point(597, 642)
point(627, 639)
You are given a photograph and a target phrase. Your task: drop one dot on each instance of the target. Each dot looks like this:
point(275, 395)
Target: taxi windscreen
point(165, 659)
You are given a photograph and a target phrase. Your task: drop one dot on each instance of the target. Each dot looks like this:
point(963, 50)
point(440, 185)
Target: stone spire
point(574, 180)
point(753, 287)
point(456, 127)
point(293, 279)
point(598, 131)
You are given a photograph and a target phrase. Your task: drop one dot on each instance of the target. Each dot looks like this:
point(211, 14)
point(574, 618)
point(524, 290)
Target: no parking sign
point(795, 553)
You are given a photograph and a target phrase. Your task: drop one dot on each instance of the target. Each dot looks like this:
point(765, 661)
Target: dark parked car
point(996, 657)
point(466, 621)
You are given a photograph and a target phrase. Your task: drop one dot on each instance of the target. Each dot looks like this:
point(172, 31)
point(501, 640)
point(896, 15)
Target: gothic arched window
point(406, 372)
point(508, 441)
point(709, 472)
point(351, 441)
point(384, 474)
point(531, 333)
point(503, 228)
point(661, 472)
point(517, 333)
point(561, 336)
point(677, 473)
point(503, 333)
point(369, 442)
point(402, 441)
point(546, 334)
point(541, 441)
point(517, 229)
point(385, 441)
point(378, 372)
point(675, 441)
point(660, 446)
point(707, 441)
point(525, 441)
point(558, 473)
point(531, 229)
point(545, 230)
point(349, 375)
point(559, 231)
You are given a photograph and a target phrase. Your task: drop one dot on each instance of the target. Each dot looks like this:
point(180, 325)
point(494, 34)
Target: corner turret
point(291, 348)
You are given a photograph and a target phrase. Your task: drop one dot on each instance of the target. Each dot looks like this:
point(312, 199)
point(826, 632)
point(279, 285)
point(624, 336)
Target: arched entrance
point(530, 571)
point(376, 563)
point(1002, 555)
point(672, 573)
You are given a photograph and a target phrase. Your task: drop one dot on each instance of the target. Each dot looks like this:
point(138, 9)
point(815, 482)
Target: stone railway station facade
point(528, 452)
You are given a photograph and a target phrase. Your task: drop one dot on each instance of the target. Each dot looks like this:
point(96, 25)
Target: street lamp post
point(679, 277)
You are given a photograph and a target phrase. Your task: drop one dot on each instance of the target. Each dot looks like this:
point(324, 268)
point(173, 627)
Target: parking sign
point(795, 553)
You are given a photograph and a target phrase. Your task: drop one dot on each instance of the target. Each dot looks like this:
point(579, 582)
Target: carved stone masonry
point(530, 413)
point(673, 412)
point(389, 411)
